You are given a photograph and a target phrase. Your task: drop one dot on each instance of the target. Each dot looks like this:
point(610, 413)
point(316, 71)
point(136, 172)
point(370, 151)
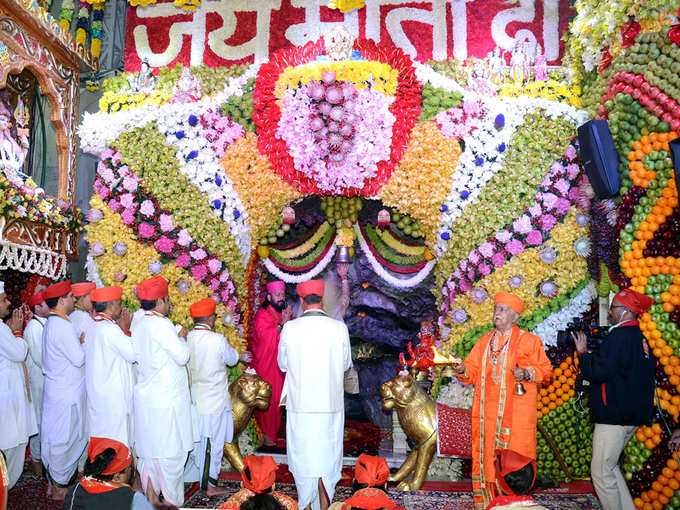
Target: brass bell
point(519, 387)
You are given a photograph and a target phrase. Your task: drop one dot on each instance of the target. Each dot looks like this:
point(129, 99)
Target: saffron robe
point(264, 348)
point(501, 419)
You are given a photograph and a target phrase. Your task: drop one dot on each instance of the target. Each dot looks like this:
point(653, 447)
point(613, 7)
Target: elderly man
point(500, 417)
point(82, 314)
point(162, 403)
point(314, 352)
point(33, 336)
point(18, 420)
point(621, 376)
point(63, 433)
point(210, 354)
point(267, 324)
point(109, 356)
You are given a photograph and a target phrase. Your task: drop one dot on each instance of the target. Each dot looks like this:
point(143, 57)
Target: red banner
point(224, 32)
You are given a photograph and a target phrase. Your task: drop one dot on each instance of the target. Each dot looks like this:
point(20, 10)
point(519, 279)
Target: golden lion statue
point(417, 416)
point(248, 392)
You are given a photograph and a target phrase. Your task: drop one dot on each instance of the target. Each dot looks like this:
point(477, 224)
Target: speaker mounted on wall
point(599, 156)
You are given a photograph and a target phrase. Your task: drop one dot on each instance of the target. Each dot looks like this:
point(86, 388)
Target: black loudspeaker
point(675, 156)
point(600, 158)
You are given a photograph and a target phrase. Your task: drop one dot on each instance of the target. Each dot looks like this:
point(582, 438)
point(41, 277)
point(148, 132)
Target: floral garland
point(552, 203)
point(66, 14)
point(551, 90)
point(84, 10)
point(399, 283)
point(140, 212)
point(302, 277)
point(97, 28)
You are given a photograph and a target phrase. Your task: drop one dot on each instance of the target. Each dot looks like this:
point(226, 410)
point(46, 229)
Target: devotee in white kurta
point(17, 417)
point(63, 432)
point(210, 353)
point(314, 352)
point(162, 403)
point(109, 378)
point(82, 314)
point(33, 336)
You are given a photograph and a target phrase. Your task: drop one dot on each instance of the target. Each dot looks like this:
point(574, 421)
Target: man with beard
point(267, 325)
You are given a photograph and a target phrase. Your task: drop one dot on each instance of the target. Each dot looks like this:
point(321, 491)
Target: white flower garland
point(456, 395)
point(547, 330)
point(382, 272)
point(31, 259)
point(302, 277)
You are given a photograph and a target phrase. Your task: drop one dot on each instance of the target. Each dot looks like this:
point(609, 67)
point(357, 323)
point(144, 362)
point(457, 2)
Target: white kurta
point(109, 380)
point(17, 417)
point(63, 431)
point(314, 352)
point(81, 321)
point(162, 404)
point(210, 353)
point(33, 336)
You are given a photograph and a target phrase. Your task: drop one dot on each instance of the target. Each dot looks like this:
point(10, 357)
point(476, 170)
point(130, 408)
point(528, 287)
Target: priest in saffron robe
point(82, 314)
point(267, 324)
point(500, 417)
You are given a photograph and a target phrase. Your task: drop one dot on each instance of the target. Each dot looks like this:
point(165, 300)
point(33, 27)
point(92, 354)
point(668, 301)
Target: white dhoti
point(166, 476)
point(204, 466)
point(63, 442)
point(34, 445)
point(15, 462)
point(313, 455)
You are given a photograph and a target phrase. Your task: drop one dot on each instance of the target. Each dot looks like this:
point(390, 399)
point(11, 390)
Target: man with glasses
point(621, 376)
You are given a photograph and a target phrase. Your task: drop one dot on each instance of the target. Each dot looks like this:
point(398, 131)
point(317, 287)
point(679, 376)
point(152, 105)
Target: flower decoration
point(479, 295)
point(582, 247)
point(119, 248)
point(548, 289)
point(515, 281)
point(548, 255)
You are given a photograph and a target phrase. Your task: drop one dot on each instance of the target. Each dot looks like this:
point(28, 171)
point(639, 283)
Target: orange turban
point(122, 459)
point(152, 289)
point(276, 286)
point(82, 288)
point(369, 498)
point(310, 287)
point(57, 289)
point(106, 294)
point(203, 308)
point(634, 301)
point(259, 472)
point(371, 470)
point(510, 300)
point(36, 299)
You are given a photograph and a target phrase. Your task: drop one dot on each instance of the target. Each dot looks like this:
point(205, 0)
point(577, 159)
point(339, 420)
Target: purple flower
point(534, 238)
point(114, 205)
point(182, 285)
point(155, 267)
point(94, 215)
point(515, 281)
point(165, 245)
point(548, 221)
point(503, 236)
point(165, 222)
point(119, 248)
point(464, 285)
point(127, 199)
point(128, 216)
point(498, 259)
point(199, 272)
point(548, 289)
point(97, 249)
point(562, 205)
point(214, 284)
point(146, 230)
point(548, 255)
point(183, 260)
point(514, 247)
point(147, 208)
point(486, 249)
point(183, 238)
point(485, 269)
point(225, 296)
point(214, 265)
point(522, 225)
point(119, 276)
point(479, 294)
point(459, 315)
point(199, 254)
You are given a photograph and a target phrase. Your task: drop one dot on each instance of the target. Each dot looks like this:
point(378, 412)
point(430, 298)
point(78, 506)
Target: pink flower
point(464, 285)
point(128, 216)
point(165, 245)
point(199, 272)
point(107, 174)
point(127, 199)
point(146, 230)
point(114, 205)
point(214, 284)
point(123, 170)
point(147, 208)
point(562, 186)
point(522, 225)
point(570, 154)
point(225, 296)
point(474, 256)
point(486, 249)
point(503, 236)
point(549, 200)
point(572, 171)
point(574, 195)
point(130, 183)
point(562, 205)
point(514, 247)
point(534, 238)
point(548, 221)
point(103, 192)
point(471, 274)
point(183, 238)
point(183, 260)
point(166, 223)
point(485, 269)
point(198, 254)
point(214, 265)
point(116, 158)
point(107, 153)
point(498, 259)
point(534, 210)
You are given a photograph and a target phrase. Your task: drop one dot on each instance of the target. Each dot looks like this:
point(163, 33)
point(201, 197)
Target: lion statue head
point(251, 390)
point(399, 392)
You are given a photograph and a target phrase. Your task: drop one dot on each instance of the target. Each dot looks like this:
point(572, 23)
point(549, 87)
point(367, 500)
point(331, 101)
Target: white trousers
point(166, 476)
point(610, 486)
point(219, 429)
point(15, 462)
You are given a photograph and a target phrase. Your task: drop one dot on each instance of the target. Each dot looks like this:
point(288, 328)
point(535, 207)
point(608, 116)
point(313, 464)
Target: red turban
point(152, 289)
point(371, 470)
point(277, 286)
point(510, 300)
point(82, 288)
point(509, 461)
point(106, 294)
point(122, 459)
point(57, 289)
point(634, 301)
point(36, 299)
point(370, 499)
point(310, 287)
point(259, 472)
point(203, 308)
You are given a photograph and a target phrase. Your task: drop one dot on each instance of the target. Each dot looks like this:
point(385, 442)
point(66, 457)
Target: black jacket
point(621, 376)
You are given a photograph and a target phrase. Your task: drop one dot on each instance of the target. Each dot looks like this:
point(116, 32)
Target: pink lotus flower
point(534, 238)
point(535, 210)
point(146, 231)
point(514, 247)
point(130, 183)
point(165, 245)
point(562, 186)
point(116, 158)
point(183, 260)
point(165, 222)
point(498, 259)
point(199, 272)
point(572, 171)
point(107, 174)
point(503, 236)
point(183, 238)
point(570, 153)
point(549, 200)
